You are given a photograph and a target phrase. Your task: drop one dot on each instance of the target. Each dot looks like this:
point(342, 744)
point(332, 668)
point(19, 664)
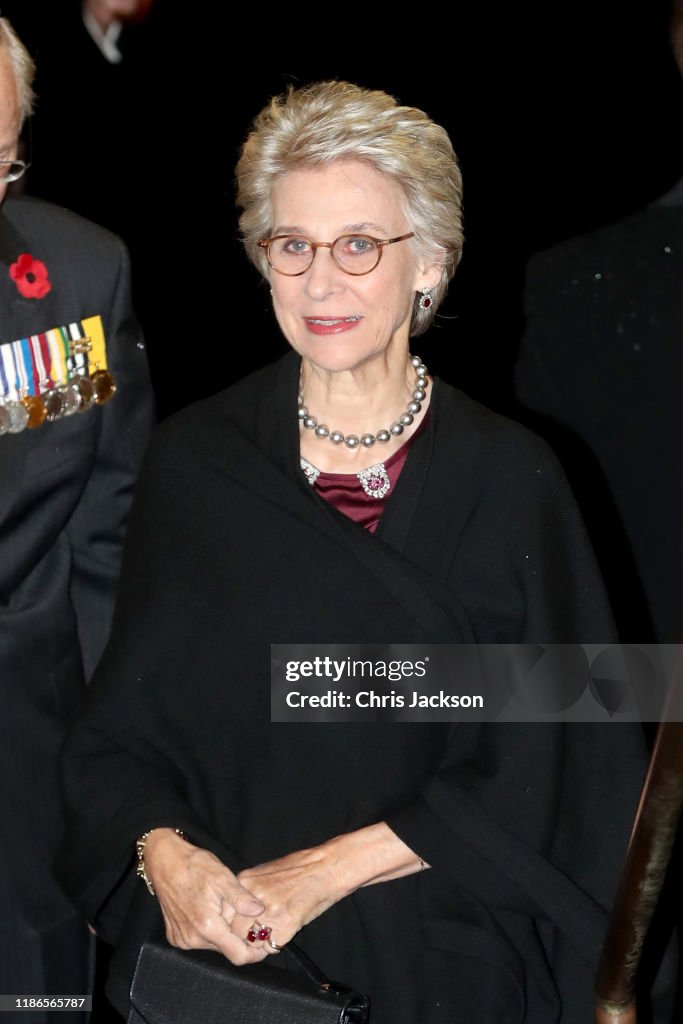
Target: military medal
point(84, 390)
point(71, 399)
point(37, 413)
point(4, 391)
point(54, 405)
point(10, 382)
point(102, 379)
point(36, 374)
point(61, 370)
point(18, 417)
point(105, 386)
point(77, 362)
point(56, 373)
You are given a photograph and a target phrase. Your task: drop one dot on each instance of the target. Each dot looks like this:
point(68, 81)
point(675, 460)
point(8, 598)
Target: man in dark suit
point(600, 373)
point(69, 454)
point(601, 361)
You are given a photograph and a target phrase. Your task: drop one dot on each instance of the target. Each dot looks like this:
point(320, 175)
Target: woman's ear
point(429, 278)
point(430, 275)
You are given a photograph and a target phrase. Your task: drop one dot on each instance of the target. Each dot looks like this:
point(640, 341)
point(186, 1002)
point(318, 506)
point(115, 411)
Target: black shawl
point(229, 550)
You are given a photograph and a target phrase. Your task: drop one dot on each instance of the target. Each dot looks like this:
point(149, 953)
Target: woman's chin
point(334, 356)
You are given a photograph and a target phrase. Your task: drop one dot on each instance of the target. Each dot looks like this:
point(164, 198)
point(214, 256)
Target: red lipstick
point(331, 324)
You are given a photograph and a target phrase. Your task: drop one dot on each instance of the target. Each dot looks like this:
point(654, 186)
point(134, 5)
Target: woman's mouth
point(331, 324)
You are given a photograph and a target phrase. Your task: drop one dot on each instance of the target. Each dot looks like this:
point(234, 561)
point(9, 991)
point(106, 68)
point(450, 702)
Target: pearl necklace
point(382, 436)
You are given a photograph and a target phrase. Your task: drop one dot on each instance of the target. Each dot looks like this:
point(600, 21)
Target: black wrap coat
point(229, 550)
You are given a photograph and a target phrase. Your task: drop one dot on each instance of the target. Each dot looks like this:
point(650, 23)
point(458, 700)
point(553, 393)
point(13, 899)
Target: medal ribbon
point(21, 380)
point(66, 341)
point(10, 370)
point(24, 366)
point(92, 328)
point(46, 361)
point(58, 368)
point(79, 358)
point(41, 370)
point(30, 370)
point(4, 381)
point(31, 365)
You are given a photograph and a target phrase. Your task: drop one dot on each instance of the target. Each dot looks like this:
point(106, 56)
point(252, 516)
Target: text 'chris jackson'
point(522, 683)
point(370, 699)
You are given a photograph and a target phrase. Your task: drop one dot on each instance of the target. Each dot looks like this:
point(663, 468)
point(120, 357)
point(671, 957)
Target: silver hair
point(22, 65)
point(328, 121)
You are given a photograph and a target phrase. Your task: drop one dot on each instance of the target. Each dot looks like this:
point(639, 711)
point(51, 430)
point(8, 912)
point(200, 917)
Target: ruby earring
point(425, 299)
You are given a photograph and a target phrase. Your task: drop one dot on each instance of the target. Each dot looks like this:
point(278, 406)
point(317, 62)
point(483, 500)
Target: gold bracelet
point(140, 851)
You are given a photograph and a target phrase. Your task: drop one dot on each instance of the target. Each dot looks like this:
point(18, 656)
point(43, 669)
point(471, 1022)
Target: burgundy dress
point(362, 496)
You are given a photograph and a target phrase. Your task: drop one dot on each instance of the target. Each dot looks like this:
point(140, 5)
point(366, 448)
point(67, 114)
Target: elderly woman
point(452, 872)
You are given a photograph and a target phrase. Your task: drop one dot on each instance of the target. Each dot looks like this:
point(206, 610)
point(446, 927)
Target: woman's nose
point(324, 276)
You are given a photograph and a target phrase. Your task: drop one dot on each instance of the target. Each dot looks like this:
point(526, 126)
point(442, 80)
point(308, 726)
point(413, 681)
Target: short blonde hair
point(22, 65)
point(329, 121)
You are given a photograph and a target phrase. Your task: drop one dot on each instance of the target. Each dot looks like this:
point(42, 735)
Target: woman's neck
point(361, 401)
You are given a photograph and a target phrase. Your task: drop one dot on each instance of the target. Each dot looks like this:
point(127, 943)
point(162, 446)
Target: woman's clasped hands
point(206, 906)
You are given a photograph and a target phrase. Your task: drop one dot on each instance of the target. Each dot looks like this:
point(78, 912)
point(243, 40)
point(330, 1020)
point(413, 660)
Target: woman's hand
point(294, 890)
point(299, 887)
point(201, 899)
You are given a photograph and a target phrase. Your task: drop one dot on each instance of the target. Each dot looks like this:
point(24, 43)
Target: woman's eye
point(296, 246)
point(359, 246)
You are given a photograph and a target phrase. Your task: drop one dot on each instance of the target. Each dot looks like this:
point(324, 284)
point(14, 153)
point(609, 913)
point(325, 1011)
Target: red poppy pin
point(30, 277)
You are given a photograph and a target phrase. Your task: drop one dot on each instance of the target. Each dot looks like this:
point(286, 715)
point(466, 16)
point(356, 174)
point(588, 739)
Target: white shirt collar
point(104, 41)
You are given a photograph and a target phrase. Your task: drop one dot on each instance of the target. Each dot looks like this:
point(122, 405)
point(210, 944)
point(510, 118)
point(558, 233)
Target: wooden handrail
point(647, 859)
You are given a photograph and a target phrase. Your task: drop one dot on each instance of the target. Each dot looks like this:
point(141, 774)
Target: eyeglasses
point(12, 170)
point(293, 255)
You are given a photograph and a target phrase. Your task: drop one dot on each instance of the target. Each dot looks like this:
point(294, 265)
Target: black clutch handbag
point(199, 986)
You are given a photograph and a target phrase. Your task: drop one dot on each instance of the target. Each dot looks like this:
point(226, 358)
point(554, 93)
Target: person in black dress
point(452, 872)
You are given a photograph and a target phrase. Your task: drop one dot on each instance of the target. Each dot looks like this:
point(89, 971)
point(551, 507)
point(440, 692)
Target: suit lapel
point(11, 245)
point(20, 316)
point(12, 449)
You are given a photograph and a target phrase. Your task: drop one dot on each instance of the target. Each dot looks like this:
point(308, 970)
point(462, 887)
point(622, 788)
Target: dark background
point(563, 119)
